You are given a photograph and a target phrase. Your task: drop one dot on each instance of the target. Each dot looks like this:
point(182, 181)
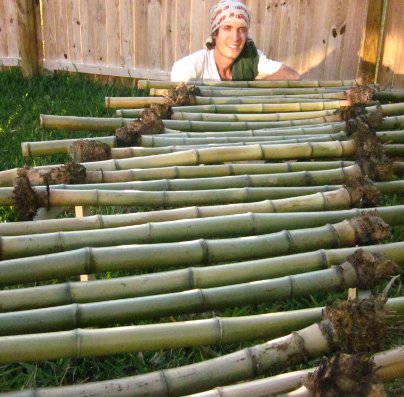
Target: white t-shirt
point(201, 66)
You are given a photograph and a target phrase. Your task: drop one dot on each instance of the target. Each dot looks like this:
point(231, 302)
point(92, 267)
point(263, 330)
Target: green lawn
point(21, 102)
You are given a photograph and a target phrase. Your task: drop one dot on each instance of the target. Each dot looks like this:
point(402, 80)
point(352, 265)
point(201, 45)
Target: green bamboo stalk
point(261, 107)
point(147, 84)
point(184, 279)
point(197, 252)
point(384, 362)
point(288, 179)
point(391, 136)
point(254, 117)
point(391, 109)
point(396, 95)
point(333, 200)
point(394, 150)
point(310, 342)
point(134, 102)
point(111, 124)
point(69, 317)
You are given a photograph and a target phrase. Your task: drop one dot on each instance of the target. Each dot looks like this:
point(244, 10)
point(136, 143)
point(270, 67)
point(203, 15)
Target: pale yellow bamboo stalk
point(253, 117)
point(147, 84)
point(44, 148)
point(127, 103)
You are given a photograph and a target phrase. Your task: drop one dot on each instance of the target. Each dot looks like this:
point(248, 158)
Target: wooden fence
point(327, 39)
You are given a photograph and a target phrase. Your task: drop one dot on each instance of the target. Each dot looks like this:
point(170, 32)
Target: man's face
point(230, 40)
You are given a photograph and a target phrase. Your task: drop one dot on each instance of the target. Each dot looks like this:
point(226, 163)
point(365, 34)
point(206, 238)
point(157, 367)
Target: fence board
point(128, 38)
point(196, 33)
point(73, 30)
point(270, 43)
point(61, 34)
point(182, 29)
point(391, 69)
point(354, 39)
point(48, 17)
point(8, 35)
point(141, 39)
point(113, 30)
point(154, 42)
point(168, 23)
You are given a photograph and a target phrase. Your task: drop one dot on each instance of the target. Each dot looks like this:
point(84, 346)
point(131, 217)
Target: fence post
point(27, 37)
point(368, 64)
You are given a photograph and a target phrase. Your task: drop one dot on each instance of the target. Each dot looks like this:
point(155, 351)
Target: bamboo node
point(345, 375)
point(359, 324)
point(370, 228)
point(372, 268)
point(359, 94)
point(89, 150)
point(26, 200)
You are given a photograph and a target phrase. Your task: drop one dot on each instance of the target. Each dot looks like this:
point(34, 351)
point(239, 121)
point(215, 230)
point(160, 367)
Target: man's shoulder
point(196, 56)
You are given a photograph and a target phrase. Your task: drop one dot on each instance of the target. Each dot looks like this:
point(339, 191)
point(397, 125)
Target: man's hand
point(284, 73)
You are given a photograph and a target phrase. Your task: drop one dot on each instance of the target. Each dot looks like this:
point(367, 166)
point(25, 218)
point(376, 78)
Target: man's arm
point(284, 73)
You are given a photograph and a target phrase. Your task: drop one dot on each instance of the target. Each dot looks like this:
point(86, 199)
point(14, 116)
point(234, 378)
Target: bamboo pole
point(253, 117)
point(385, 364)
point(184, 279)
point(44, 148)
point(333, 200)
point(196, 252)
point(394, 150)
point(262, 108)
point(395, 95)
point(287, 179)
point(197, 171)
point(128, 103)
point(147, 84)
point(74, 316)
point(307, 343)
point(111, 124)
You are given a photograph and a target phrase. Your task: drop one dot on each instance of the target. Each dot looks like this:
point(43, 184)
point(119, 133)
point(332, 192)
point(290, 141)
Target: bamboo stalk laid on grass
point(359, 270)
point(197, 252)
point(111, 124)
point(307, 343)
point(35, 175)
point(388, 366)
point(126, 103)
point(147, 84)
point(333, 200)
point(171, 231)
point(185, 279)
point(180, 114)
point(288, 179)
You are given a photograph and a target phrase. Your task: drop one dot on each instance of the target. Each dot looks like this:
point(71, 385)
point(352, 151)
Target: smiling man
point(230, 53)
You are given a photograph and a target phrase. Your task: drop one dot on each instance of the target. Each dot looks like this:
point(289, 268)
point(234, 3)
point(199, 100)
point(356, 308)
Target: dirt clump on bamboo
point(71, 172)
point(360, 94)
point(150, 122)
point(182, 95)
point(345, 375)
point(89, 150)
point(372, 268)
point(370, 195)
point(370, 155)
point(26, 200)
point(370, 228)
point(358, 324)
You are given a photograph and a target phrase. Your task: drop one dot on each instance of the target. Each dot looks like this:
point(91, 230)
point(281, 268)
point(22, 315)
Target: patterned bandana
point(229, 11)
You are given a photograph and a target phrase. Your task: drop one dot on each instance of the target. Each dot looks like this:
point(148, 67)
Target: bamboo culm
point(174, 231)
point(184, 279)
point(121, 311)
point(189, 253)
point(384, 362)
point(322, 201)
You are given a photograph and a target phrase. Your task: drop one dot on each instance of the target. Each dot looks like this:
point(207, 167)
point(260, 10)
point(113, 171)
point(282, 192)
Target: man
point(230, 54)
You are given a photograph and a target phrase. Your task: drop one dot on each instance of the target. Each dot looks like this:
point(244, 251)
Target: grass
point(21, 102)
